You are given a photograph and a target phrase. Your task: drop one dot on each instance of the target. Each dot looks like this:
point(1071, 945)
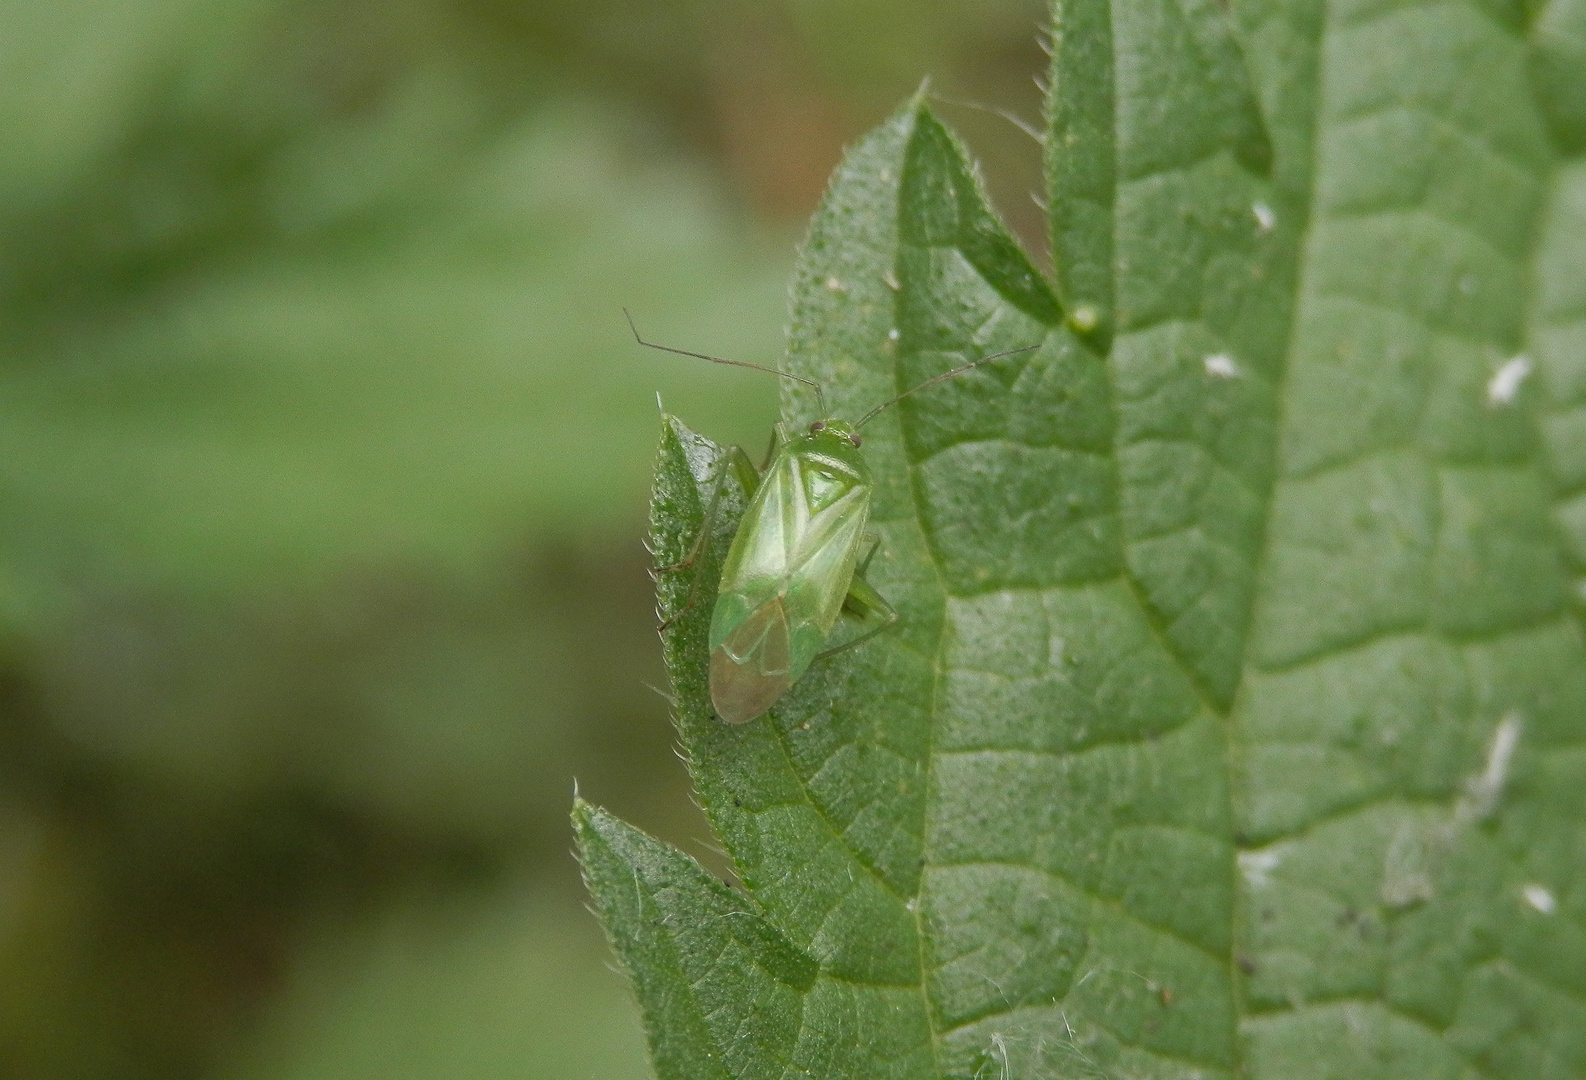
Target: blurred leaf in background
point(323, 449)
point(506, 984)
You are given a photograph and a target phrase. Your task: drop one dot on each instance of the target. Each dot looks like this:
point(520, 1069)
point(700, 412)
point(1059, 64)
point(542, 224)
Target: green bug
point(794, 564)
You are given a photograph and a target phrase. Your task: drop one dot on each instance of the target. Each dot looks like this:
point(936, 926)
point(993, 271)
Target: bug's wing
point(753, 667)
point(822, 570)
point(759, 551)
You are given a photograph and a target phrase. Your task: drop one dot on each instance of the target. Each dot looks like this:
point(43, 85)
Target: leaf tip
point(583, 817)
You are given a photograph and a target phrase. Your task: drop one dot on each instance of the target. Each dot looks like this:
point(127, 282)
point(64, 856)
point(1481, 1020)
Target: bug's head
point(823, 430)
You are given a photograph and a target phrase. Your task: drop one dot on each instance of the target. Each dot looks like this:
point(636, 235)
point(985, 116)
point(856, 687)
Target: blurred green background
point(323, 457)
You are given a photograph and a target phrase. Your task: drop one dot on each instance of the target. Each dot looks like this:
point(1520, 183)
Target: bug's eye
point(856, 441)
point(819, 425)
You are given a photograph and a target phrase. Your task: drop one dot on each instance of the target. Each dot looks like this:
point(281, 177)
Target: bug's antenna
point(1005, 114)
point(866, 418)
point(819, 396)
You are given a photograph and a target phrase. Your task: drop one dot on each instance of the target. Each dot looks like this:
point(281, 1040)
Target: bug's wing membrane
point(753, 667)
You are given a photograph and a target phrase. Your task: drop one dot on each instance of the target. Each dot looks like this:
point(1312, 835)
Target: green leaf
point(482, 982)
point(1558, 69)
point(1236, 720)
point(698, 951)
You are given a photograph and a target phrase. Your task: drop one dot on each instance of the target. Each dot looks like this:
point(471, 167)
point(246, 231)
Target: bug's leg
point(748, 476)
point(863, 600)
point(699, 538)
point(732, 458)
point(771, 449)
point(864, 563)
point(693, 554)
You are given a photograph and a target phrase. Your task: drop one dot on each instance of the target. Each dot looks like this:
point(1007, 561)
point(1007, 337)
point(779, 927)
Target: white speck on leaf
point(1505, 382)
point(834, 285)
point(1055, 656)
point(1540, 898)
point(1416, 851)
point(1221, 366)
point(1483, 790)
point(1265, 216)
point(893, 335)
point(1257, 865)
point(891, 281)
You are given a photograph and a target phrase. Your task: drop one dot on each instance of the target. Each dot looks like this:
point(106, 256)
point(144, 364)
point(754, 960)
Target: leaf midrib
point(1152, 619)
point(1304, 204)
point(1151, 616)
